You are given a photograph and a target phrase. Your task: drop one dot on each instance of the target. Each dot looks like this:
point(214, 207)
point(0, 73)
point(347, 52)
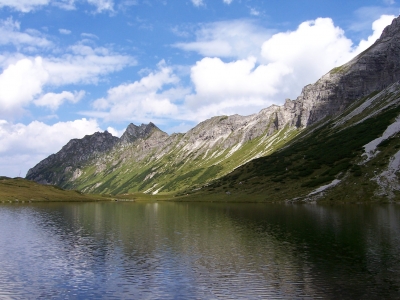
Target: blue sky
point(73, 67)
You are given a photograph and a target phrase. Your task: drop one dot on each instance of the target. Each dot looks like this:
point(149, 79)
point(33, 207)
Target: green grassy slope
point(174, 170)
point(22, 190)
point(330, 151)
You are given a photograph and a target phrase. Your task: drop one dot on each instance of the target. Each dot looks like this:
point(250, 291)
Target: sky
point(69, 68)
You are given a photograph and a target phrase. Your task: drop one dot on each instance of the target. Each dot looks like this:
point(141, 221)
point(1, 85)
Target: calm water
point(199, 251)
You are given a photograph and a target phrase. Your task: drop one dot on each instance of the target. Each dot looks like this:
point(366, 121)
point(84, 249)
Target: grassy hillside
point(22, 190)
point(174, 170)
point(329, 153)
point(332, 160)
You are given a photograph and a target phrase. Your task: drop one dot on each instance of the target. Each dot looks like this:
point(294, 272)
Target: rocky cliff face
point(75, 153)
point(373, 70)
point(147, 159)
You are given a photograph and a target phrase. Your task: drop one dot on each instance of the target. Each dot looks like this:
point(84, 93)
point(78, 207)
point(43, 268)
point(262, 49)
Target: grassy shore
point(22, 190)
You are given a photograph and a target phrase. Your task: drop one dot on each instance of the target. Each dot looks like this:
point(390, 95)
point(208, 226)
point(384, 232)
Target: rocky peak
point(133, 132)
point(392, 29)
point(73, 154)
point(96, 142)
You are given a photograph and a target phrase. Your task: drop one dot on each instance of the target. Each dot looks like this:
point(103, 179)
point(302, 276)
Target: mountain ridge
point(149, 160)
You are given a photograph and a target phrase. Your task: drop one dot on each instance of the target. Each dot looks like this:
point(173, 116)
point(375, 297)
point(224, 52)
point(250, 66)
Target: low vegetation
point(22, 190)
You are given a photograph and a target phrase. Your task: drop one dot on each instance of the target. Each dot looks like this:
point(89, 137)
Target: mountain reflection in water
point(199, 251)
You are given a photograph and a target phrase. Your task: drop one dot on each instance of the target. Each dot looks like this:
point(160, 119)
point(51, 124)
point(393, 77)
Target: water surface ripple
point(199, 251)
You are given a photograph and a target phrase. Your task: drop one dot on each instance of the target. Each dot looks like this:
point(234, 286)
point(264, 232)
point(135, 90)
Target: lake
point(167, 250)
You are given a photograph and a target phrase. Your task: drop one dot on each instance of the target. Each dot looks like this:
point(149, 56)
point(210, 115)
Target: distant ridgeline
point(341, 130)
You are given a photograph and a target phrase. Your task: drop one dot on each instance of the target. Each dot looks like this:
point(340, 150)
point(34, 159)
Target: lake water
point(199, 251)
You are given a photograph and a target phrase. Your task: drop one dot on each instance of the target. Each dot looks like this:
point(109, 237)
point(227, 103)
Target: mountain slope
point(352, 157)
point(147, 159)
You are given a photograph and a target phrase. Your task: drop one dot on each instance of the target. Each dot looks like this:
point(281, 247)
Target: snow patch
point(388, 180)
point(233, 150)
point(156, 191)
point(150, 189)
point(358, 110)
point(370, 148)
point(151, 175)
point(324, 187)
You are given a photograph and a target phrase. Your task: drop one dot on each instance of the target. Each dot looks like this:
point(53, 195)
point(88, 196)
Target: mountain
point(343, 111)
point(352, 157)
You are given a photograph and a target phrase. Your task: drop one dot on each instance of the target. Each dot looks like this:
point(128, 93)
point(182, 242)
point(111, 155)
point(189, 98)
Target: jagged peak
point(391, 29)
point(134, 132)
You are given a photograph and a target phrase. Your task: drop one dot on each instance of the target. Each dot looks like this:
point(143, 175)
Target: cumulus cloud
point(239, 38)
point(20, 83)
point(238, 79)
point(287, 62)
point(241, 86)
point(227, 1)
point(54, 101)
point(311, 50)
point(377, 27)
point(23, 146)
point(151, 97)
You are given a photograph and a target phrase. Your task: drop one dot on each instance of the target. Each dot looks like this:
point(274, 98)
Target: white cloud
point(115, 132)
point(23, 146)
point(149, 98)
point(20, 83)
point(239, 38)
point(201, 2)
point(26, 6)
point(54, 101)
point(102, 5)
point(197, 2)
point(64, 31)
point(84, 65)
point(10, 34)
point(23, 5)
point(254, 12)
point(377, 27)
point(89, 35)
point(235, 87)
point(287, 62)
point(310, 51)
point(241, 78)
point(24, 80)
point(65, 4)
